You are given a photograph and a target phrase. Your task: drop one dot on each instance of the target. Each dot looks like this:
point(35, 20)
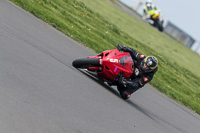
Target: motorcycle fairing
point(112, 62)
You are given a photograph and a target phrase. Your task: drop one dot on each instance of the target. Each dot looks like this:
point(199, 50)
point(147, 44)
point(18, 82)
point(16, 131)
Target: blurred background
point(181, 19)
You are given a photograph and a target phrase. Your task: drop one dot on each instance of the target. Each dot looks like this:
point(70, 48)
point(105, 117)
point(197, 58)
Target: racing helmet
point(149, 63)
point(148, 1)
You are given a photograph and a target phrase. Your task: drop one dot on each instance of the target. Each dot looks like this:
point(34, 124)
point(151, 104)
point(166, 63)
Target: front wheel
point(86, 62)
point(160, 26)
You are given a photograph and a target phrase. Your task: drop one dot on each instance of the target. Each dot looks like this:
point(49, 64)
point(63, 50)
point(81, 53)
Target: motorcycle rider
point(148, 10)
point(145, 68)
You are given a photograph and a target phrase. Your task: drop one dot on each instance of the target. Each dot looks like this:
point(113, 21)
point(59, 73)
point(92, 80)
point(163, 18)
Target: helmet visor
point(145, 68)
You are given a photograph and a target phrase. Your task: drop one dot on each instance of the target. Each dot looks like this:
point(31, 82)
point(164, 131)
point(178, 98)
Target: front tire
point(86, 62)
point(160, 26)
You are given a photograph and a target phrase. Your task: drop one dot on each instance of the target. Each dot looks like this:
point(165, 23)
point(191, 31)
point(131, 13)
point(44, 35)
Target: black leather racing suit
point(139, 78)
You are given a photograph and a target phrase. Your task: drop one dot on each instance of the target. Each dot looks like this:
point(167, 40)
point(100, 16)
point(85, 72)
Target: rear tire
point(86, 62)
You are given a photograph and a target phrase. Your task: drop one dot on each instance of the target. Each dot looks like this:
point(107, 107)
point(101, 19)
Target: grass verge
point(100, 26)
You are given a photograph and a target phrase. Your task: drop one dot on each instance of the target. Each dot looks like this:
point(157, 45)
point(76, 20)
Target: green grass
point(99, 25)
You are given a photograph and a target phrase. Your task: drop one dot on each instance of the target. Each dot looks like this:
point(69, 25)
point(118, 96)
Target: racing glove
point(121, 47)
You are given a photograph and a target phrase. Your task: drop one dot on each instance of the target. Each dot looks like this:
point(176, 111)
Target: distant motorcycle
point(109, 65)
point(156, 20)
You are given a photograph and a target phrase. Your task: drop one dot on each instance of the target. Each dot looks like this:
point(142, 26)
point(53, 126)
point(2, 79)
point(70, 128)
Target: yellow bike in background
point(156, 20)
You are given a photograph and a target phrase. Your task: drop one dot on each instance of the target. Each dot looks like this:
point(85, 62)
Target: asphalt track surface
point(40, 91)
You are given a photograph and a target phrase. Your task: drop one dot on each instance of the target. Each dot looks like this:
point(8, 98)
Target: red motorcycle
point(109, 65)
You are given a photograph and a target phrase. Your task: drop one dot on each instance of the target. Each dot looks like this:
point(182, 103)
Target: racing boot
point(125, 95)
point(121, 80)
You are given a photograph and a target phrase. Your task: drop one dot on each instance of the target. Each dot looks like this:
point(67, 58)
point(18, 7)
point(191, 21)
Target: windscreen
point(126, 62)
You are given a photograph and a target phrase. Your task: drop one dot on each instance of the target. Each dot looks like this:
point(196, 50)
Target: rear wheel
point(86, 62)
